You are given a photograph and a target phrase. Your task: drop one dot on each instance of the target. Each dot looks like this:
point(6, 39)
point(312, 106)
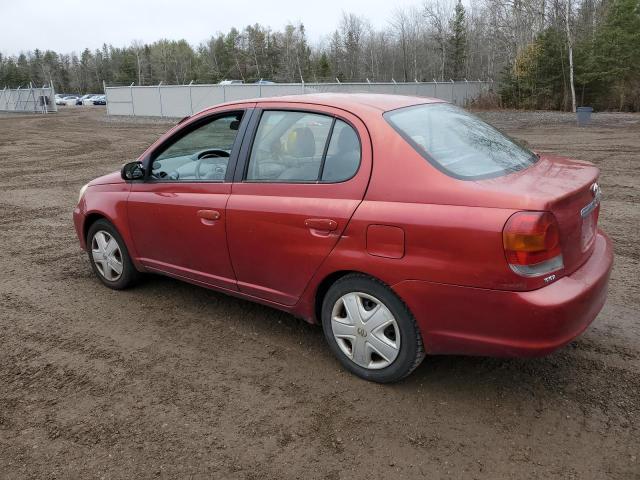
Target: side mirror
point(132, 171)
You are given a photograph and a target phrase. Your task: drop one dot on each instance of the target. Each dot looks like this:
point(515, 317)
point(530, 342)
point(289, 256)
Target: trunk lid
point(565, 187)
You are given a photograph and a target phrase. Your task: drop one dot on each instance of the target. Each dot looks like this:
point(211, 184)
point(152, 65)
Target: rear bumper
point(474, 321)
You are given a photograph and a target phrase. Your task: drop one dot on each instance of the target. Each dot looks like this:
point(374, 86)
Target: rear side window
point(343, 154)
point(458, 143)
point(303, 147)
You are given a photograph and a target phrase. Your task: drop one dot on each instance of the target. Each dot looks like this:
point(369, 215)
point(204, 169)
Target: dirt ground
point(170, 380)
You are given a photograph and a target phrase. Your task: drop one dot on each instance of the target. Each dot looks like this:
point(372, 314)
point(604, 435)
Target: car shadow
point(572, 373)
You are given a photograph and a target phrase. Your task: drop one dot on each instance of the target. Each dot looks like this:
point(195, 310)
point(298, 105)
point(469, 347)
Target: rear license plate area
point(588, 230)
point(589, 216)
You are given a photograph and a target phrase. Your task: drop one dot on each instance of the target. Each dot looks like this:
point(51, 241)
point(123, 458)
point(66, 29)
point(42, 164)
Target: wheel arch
point(325, 284)
point(92, 218)
point(95, 215)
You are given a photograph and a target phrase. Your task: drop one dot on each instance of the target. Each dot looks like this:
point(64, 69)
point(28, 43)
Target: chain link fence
point(30, 99)
point(183, 100)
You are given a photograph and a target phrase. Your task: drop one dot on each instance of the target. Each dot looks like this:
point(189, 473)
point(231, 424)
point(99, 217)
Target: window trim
point(252, 130)
point(247, 113)
point(424, 154)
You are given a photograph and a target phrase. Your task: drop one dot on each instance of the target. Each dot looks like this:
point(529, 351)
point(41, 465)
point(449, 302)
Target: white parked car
point(69, 100)
point(230, 82)
point(87, 99)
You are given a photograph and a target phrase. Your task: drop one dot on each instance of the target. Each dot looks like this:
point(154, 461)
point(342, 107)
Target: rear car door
point(177, 214)
point(297, 184)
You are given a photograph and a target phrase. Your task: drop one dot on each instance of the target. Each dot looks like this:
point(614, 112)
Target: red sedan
point(405, 226)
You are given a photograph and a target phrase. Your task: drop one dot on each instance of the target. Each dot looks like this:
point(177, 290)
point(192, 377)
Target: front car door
point(296, 187)
point(177, 214)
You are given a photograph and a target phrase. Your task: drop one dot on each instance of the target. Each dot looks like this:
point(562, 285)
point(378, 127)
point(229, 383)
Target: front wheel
point(370, 329)
point(109, 256)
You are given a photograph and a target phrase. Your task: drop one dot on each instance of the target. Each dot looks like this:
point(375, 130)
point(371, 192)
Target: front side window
point(303, 147)
point(201, 154)
point(458, 143)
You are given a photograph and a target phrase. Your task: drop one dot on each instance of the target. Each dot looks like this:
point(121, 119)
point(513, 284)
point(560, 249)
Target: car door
point(177, 215)
point(296, 187)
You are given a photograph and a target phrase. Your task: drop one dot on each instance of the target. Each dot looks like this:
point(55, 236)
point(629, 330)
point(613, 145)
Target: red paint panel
point(473, 321)
point(107, 200)
point(280, 233)
point(274, 253)
point(170, 233)
point(385, 241)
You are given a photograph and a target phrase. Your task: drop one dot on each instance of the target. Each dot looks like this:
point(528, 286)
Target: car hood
point(109, 178)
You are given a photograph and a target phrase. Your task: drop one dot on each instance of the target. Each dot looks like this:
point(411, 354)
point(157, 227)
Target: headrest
point(347, 140)
point(301, 143)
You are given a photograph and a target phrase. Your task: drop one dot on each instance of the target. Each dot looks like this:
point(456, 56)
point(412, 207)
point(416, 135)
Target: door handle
point(210, 215)
point(325, 224)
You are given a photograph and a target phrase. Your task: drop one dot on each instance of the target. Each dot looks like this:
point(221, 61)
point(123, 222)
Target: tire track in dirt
point(170, 380)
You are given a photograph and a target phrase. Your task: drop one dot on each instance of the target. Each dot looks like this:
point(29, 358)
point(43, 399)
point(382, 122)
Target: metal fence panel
point(281, 89)
point(175, 100)
point(380, 88)
point(404, 89)
point(147, 101)
point(30, 99)
point(181, 100)
point(203, 96)
point(344, 87)
point(241, 92)
point(120, 108)
point(120, 100)
point(426, 90)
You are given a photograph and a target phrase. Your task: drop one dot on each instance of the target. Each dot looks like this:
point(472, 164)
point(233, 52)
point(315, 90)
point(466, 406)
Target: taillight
point(532, 243)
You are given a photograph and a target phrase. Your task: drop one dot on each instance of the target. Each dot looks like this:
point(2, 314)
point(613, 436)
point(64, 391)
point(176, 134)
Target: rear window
point(458, 143)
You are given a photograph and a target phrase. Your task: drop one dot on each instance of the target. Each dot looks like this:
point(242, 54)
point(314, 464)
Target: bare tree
point(138, 47)
point(400, 24)
point(352, 28)
point(567, 19)
point(437, 13)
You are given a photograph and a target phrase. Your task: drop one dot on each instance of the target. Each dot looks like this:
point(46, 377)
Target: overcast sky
point(71, 25)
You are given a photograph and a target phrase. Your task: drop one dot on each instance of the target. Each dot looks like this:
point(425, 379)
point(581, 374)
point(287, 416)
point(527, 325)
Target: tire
point(385, 350)
point(105, 266)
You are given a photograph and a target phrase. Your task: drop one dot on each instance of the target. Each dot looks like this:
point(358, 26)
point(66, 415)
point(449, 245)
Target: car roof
point(356, 103)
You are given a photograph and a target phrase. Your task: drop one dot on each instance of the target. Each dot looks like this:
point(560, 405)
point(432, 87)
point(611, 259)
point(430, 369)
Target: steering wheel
point(219, 169)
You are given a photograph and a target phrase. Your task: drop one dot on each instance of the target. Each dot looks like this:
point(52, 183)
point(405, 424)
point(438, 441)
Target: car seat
point(344, 163)
point(301, 145)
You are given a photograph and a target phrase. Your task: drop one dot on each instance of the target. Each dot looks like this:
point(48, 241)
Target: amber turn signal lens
point(531, 238)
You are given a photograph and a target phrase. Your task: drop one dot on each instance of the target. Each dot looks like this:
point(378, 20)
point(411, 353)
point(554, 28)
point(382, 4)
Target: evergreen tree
point(528, 44)
point(458, 43)
point(323, 69)
point(614, 66)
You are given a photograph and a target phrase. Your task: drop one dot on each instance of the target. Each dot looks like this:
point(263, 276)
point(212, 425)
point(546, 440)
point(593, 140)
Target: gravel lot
point(170, 380)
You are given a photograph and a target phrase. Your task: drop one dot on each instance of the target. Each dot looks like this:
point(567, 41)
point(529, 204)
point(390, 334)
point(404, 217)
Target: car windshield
point(458, 143)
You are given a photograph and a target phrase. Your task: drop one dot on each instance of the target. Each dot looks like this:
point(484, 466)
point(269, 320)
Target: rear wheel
point(370, 329)
point(109, 256)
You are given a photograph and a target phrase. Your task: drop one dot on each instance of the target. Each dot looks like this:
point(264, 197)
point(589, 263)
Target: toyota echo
point(404, 226)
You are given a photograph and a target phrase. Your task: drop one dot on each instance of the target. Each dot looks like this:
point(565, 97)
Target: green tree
point(323, 68)
point(538, 77)
point(458, 43)
point(613, 67)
